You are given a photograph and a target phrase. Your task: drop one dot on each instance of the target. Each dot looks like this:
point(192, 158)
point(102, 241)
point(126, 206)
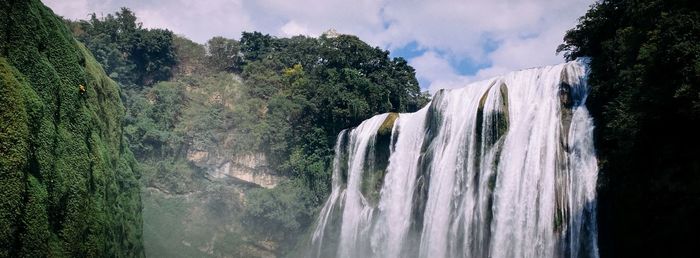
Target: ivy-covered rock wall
point(69, 184)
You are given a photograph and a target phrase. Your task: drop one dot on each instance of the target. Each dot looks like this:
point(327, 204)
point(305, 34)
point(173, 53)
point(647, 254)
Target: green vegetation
point(70, 185)
point(286, 98)
point(645, 98)
point(283, 209)
point(130, 54)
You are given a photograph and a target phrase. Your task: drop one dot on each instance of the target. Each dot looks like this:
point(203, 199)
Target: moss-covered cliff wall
point(69, 184)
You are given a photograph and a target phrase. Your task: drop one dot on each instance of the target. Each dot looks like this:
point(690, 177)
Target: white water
point(500, 168)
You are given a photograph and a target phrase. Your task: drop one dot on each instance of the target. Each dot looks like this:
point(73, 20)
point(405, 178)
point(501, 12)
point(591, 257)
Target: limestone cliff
point(250, 168)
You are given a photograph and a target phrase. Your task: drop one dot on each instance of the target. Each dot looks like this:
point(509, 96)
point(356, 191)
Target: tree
point(255, 45)
point(645, 99)
point(130, 54)
point(223, 54)
point(153, 54)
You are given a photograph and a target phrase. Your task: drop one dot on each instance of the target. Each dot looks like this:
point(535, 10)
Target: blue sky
point(449, 42)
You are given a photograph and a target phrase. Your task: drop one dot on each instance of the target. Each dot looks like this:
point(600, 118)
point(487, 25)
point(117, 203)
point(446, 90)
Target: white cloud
point(458, 27)
point(517, 52)
point(438, 72)
point(431, 67)
point(73, 9)
point(198, 20)
point(292, 28)
point(361, 17)
point(500, 35)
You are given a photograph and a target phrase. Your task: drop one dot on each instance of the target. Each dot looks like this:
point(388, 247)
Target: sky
point(449, 42)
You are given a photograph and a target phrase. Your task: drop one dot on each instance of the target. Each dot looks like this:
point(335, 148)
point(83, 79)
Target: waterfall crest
point(500, 168)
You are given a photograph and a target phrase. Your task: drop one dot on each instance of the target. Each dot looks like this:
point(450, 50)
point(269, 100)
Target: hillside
point(235, 137)
point(70, 185)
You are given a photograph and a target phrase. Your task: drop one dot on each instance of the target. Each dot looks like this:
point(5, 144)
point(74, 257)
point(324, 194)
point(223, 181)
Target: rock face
point(331, 33)
point(251, 168)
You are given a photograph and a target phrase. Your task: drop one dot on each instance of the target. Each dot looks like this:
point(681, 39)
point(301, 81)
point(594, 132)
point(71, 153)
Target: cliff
point(69, 182)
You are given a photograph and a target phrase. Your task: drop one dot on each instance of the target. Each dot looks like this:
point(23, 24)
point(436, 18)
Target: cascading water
point(500, 168)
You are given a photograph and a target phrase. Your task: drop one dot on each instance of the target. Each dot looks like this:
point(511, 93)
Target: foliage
point(190, 56)
point(282, 210)
point(318, 86)
point(130, 54)
point(69, 183)
point(645, 98)
point(152, 117)
point(223, 54)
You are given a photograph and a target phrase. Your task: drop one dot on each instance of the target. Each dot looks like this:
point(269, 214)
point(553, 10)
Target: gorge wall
point(70, 187)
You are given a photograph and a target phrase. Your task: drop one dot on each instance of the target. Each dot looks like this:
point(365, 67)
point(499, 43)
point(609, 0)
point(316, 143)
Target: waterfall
point(500, 168)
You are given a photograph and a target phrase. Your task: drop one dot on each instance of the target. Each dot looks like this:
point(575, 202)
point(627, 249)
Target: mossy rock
point(70, 184)
point(378, 161)
point(498, 120)
point(372, 183)
point(388, 124)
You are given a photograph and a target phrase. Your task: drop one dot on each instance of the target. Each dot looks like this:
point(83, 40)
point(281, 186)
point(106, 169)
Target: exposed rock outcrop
point(251, 168)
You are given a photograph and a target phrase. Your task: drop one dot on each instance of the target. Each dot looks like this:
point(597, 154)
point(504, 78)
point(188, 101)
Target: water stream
point(503, 167)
